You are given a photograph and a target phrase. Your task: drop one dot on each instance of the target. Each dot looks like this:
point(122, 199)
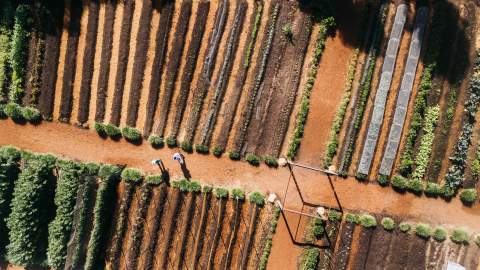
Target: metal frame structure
point(305, 203)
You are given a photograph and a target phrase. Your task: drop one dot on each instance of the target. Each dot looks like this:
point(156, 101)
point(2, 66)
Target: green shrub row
point(455, 174)
point(6, 25)
point(19, 52)
point(9, 170)
point(102, 210)
point(61, 227)
point(332, 144)
point(253, 35)
point(325, 27)
point(268, 243)
point(27, 223)
point(425, 149)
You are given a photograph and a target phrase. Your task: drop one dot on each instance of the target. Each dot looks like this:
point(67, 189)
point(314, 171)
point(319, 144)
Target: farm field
point(312, 134)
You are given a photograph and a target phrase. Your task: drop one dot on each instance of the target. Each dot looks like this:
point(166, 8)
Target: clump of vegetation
point(113, 131)
point(31, 114)
point(352, 218)
point(257, 198)
point(368, 221)
point(404, 227)
point(220, 192)
point(132, 175)
point(131, 134)
point(154, 180)
point(468, 196)
point(156, 141)
point(423, 230)
point(388, 223)
point(270, 161)
point(252, 159)
point(439, 234)
point(460, 237)
point(202, 149)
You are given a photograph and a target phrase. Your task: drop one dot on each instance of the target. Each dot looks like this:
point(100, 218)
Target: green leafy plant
point(368, 221)
point(156, 141)
point(257, 198)
point(132, 175)
point(252, 159)
point(154, 180)
point(113, 131)
point(423, 230)
point(131, 134)
point(404, 227)
point(31, 114)
point(388, 224)
point(468, 196)
point(460, 237)
point(439, 234)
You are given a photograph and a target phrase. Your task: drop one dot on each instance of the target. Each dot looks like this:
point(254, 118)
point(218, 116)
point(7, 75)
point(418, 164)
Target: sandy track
point(96, 64)
point(61, 60)
point(69, 141)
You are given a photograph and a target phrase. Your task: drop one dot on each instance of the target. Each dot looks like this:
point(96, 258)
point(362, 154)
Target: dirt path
point(85, 145)
point(328, 88)
point(96, 64)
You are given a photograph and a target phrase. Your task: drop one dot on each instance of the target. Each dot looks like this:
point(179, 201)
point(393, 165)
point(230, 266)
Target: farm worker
point(178, 157)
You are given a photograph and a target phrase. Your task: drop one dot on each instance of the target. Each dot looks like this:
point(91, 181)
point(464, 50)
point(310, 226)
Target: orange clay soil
point(85, 145)
point(328, 88)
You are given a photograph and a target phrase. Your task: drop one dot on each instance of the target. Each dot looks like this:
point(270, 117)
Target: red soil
point(328, 88)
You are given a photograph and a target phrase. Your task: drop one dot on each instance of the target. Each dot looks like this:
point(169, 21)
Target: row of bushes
point(455, 175)
point(19, 52)
point(332, 144)
point(425, 149)
point(325, 26)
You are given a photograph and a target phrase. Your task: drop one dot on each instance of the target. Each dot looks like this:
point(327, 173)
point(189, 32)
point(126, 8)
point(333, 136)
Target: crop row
point(301, 118)
point(436, 35)
point(161, 41)
point(363, 91)
point(70, 65)
point(223, 77)
point(140, 58)
point(252, 96)
point(203, 83)
point(290, 89)
point(191, 62)
point(88, 57)
point(105, 57)
point(232, 104)
point(122, 62)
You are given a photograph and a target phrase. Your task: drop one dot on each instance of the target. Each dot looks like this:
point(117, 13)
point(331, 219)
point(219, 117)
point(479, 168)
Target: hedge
point(61, 227)
point(301, 118)
point(19, 51)
point(105, 198)
point(460, 237)
point(28, 223)
point(9, 170)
